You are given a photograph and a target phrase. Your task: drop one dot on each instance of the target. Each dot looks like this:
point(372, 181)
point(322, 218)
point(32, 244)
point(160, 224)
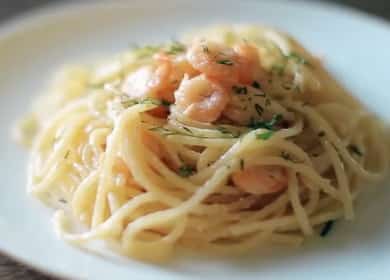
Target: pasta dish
point(228, 139)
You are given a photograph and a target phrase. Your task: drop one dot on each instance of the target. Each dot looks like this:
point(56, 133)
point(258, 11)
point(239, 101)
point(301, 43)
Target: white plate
point(355, 46)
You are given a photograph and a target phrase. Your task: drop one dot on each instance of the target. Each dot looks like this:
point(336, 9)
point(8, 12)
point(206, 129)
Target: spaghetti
point(232, 138)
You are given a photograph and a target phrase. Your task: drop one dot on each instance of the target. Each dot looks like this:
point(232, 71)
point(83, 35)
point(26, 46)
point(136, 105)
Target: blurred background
point(8, 8)
point(377, 7)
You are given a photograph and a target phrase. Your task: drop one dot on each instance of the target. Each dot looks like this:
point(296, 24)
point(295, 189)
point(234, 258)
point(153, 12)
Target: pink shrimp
point(146, 81)
point(214, 60)
point(240, 64)
point(159, 80)
point(260, 179)
point(201, 99)
point(249, 66)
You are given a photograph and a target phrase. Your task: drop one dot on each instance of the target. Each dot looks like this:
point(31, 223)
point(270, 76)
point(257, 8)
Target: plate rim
point(44, 14)
point(30, 17)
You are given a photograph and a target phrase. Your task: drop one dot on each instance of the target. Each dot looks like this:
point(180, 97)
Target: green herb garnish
point(165, 103)
point(259, 109)
point(168, 132)
point(131, 102)
point(164, 131)
point(270, 125)
point(187, 129)
point(205, 49)
point(186, 171)
point(226, 131)
point(285, 155)
point(278, 69)
point(298, 58)
point(265, 135)
point(223, 130)
point(255, 84)
point(327, 228)
point(225, 62)
point(240, 90)
point(175, 48)
point(354, 149)
point(146, 51)
point(242, 164)
point(67, 154)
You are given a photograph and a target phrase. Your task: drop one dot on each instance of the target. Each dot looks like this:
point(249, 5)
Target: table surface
point(12, 270)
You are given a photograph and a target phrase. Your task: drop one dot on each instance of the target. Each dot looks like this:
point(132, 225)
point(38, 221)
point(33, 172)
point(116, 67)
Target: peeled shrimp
point(249, 67)
point(147, 81)
point(260, 180)
point(240, 64)
point(214, 60)
point(159, 80)
point(201, 99)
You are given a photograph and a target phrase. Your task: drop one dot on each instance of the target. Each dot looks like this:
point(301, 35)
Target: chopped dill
point(175, 47)
point(240, 90)
point(164, 131)
point(259, 109)
point(146, 51)
point(131, 102)
point(354, 149)
point(278, 69)
point(225, 62)
point(327, 228)
point(187, 129)
point(255, 84)
point(270, 125)
point(242, 164)
point(321, 133)
point(298, 58)
point(186, 171)
point(265, 135)
point(167, 132)
point(223, 130)
point(165, 103)
point(67, 154)
point(226, 131)
point(286, 156)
